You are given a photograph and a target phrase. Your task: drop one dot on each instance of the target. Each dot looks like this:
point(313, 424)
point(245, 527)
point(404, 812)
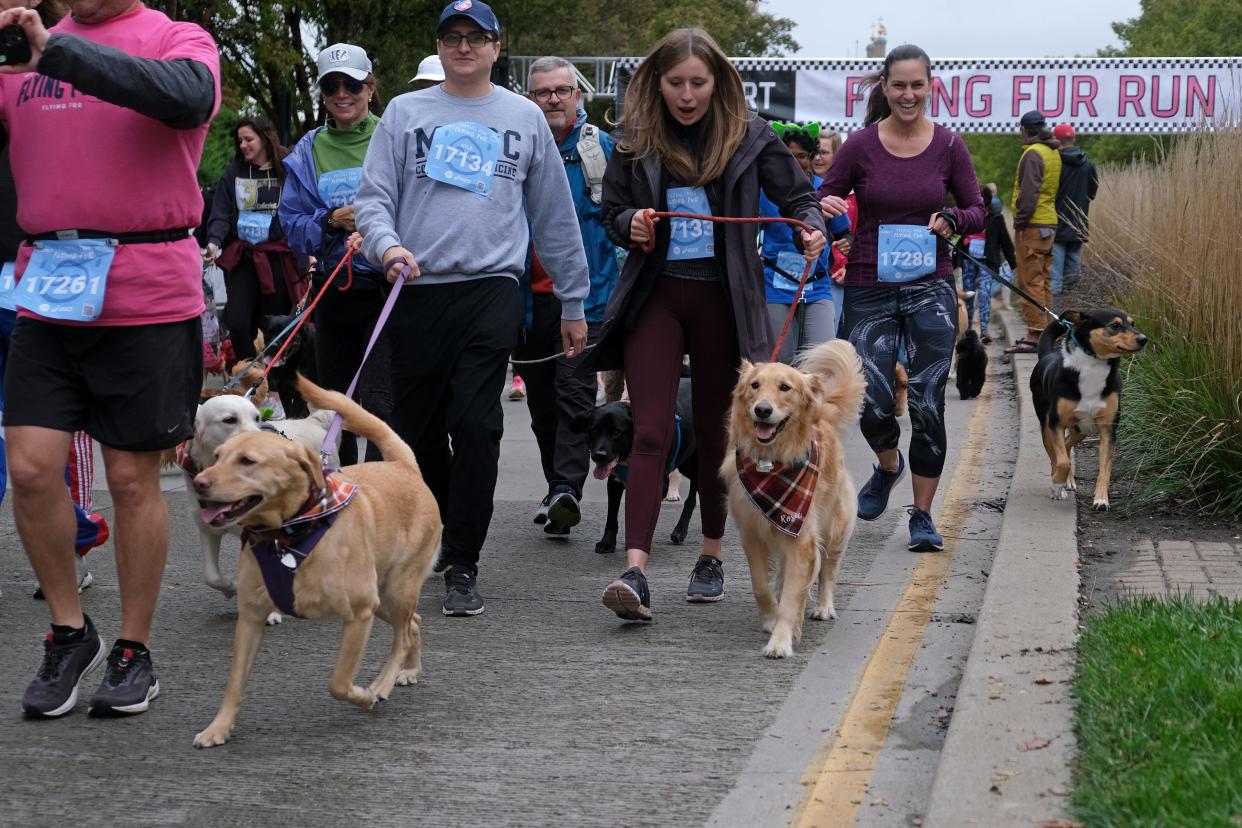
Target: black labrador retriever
point(298, 358)
point(610, 438)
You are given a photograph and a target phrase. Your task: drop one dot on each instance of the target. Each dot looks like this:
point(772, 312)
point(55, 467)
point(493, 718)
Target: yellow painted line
point(836, 782)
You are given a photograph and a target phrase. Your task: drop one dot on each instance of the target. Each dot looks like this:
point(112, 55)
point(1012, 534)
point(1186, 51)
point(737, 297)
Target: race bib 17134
point(464, 155)
point(906, 252)
point(67, 279)
point(253, 227)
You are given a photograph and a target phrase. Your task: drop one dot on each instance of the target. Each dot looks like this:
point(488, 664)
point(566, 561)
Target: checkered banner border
point(775, 64)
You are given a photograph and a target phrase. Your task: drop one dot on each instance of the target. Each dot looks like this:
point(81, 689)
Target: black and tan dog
point(1077, 390)
point(610, 438)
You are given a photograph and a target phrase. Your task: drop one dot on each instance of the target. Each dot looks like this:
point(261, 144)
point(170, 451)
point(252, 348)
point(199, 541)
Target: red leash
point(649, 245)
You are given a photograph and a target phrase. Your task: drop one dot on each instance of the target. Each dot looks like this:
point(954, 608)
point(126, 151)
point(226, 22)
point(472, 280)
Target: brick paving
point(1199, 568)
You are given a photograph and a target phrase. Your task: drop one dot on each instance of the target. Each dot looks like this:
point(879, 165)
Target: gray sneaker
point(706, 581)
point(461, 593)
point(128, 685)
point(54, 691)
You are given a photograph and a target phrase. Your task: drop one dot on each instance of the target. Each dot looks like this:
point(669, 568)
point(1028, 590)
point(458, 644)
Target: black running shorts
point(131, 387)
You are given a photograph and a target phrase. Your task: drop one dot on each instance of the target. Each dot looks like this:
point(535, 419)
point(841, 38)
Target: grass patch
point(1159, 715)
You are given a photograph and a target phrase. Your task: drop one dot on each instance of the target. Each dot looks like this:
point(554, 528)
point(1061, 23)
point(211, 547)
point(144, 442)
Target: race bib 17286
point(67, 279)
point(691, 238)
point(906, 252)
point(464, 155)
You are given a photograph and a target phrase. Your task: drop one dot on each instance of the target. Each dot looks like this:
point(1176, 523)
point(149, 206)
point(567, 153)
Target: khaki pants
point(1034, 255)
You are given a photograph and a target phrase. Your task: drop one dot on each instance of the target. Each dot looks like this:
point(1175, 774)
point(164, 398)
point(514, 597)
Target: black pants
point(450, 352)
point(555, 396)
point(877, 322)
point(247, 304)
point(344, 322)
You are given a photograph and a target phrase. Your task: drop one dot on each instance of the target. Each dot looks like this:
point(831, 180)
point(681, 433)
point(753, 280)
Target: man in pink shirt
point(105, 122)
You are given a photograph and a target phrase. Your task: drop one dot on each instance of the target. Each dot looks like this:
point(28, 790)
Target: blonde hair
point(833, 138)
point(648, 126)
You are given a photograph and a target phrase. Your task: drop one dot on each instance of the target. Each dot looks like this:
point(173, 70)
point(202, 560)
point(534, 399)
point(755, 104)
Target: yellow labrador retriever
point(789, 491)
point(371, 560)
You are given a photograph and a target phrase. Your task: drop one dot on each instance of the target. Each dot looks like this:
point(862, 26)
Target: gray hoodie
point(457, 235)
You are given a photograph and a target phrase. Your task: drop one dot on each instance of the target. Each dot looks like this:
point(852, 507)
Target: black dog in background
point(972, 365)
point(610, 438)
point(299, 357)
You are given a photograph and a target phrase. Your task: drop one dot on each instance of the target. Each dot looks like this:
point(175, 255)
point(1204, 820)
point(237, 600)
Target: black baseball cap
point(475, 10)
point(1034, 121)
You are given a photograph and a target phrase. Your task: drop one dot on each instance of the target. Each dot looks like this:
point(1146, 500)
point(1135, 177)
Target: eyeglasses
point(562, 92)
point(477, 40)
point(330, 86)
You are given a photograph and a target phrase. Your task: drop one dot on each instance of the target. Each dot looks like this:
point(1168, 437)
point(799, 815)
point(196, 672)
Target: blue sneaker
point(873, 498)
point(923, 537)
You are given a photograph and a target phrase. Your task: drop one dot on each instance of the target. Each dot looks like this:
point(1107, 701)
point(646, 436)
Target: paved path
point(545, 709)
point(1169, 567)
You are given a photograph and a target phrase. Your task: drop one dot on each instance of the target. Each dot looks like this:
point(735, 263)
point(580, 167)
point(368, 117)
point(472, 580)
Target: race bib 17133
point(691, 238)
point(906, 252)
point(464, 155)
point(67, 279)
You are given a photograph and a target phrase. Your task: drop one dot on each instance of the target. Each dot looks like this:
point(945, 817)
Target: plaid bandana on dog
point(280, 552)
point(782, 492)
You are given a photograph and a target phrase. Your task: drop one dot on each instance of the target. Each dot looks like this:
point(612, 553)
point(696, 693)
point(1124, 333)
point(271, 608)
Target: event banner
point(1096, 95)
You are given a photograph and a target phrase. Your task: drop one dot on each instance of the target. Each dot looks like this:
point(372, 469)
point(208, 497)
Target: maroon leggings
point(681, 316)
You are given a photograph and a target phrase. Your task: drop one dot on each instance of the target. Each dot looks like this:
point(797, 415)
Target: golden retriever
point(371, 561)
point(778, 413)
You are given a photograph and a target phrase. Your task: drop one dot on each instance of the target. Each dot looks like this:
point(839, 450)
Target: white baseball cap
point(345, 58)
point(430, 69)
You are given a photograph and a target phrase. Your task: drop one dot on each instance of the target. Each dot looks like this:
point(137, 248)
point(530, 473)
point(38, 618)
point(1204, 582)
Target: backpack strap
point(593, 160)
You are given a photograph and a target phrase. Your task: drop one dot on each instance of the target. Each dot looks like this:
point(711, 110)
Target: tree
point(1182, 28)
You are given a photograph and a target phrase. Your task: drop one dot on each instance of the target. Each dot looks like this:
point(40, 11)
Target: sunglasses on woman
point(330, 86)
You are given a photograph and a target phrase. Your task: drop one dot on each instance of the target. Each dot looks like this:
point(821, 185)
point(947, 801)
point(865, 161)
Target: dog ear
point(1073, 316)
point(581, 420)
point(815, 383)
point(309, 460)
point(744, 367)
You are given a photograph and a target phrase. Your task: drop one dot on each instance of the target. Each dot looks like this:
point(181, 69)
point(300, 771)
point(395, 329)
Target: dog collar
point(185, 460)
point(782, 492)
point(279, 552)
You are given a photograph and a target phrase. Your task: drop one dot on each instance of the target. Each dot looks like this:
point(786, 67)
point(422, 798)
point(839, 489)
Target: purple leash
point(334, 430)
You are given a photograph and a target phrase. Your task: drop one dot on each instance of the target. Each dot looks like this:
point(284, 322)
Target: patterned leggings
point(877, 322)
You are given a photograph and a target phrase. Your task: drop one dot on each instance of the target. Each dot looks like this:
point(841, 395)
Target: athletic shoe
point(461, 595)
point(85, 578)
point(873, 497)
point(128, 685)
point(54, 691)
point(923, 537)
point(706, 581)
point(563, 508)
point(518, 391)
point(629, 597)
point(554, 528)
point(541, 511)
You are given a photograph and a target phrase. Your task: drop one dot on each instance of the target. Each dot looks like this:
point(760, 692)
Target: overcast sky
point(958, 29)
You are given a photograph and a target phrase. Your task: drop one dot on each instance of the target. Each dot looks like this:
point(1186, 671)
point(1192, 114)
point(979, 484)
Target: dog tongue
point(765, 431)
point(214, 510)
point(602, 470)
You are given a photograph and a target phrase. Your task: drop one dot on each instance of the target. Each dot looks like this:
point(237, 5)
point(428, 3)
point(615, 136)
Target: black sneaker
point(554, 528)
point(128, 685)
point(628, 596)
point(54, 691)
point(563, 508)
point(706, 581)
point(461, 595)
point(541, 511)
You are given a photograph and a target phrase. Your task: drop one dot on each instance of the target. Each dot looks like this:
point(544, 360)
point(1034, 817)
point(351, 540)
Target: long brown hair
point(267, 136)
point(648, 126)
point(877, 105)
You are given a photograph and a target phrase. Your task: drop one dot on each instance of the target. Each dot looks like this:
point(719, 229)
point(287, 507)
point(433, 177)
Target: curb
point(1006, 758)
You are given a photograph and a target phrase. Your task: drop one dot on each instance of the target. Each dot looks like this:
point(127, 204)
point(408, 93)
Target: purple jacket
point(892, 190)
point(631, 184)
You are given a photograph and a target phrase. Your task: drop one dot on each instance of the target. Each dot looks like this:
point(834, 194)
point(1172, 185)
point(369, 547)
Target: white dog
point(216, 420)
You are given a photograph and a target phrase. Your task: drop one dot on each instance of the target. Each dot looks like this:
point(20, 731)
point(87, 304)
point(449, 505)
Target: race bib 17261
point(691, 238)
point(67, 279)
point(464, 155)
point(906, 252)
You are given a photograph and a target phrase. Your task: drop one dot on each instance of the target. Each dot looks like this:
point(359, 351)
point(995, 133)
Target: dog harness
point(623, 471)
point(279, 552)
point(782, 492)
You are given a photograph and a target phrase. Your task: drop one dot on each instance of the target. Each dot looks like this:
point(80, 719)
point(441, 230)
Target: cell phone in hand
point(14, 48)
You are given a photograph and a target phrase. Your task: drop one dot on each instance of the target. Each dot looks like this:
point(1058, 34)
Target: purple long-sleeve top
point(892, 190)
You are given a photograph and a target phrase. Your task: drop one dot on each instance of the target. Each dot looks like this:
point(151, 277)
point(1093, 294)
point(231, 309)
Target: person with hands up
point(899, 276)
point(459, 179)
point(688, 144)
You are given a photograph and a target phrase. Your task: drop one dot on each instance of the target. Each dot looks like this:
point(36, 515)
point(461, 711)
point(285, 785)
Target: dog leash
point(547, 358)
point(649, 245)
point(334, 429)
point(961, 249)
